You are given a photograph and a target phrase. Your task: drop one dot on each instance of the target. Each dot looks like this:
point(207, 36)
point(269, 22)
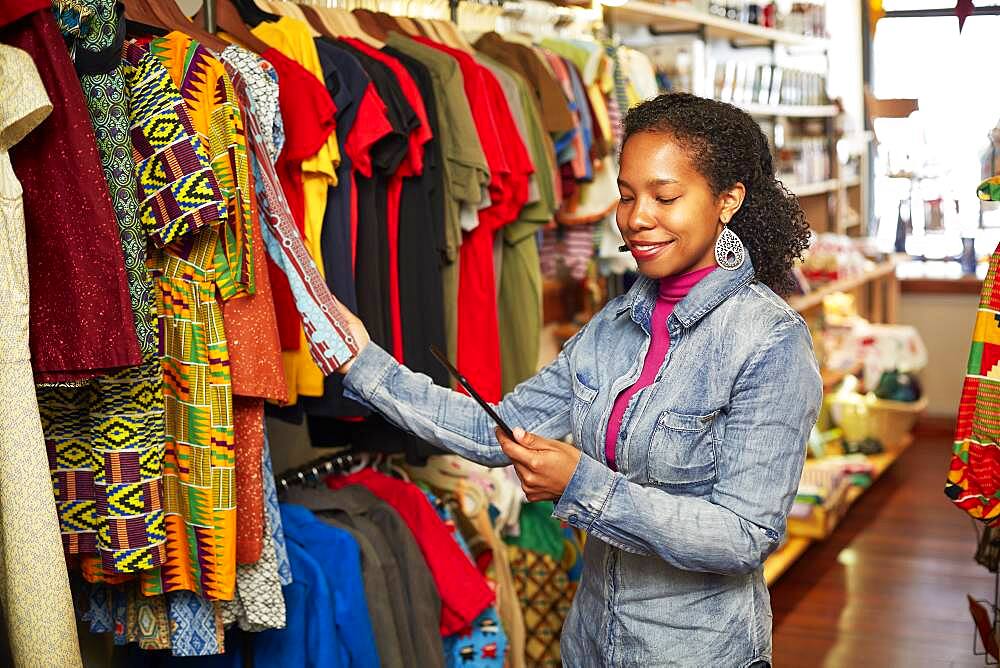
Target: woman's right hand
point(361, 338)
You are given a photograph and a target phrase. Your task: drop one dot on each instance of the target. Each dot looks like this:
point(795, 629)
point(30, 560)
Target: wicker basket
point(867, 416)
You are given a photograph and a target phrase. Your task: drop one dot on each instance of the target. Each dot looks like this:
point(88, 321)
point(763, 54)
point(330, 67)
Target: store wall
point(945, 324)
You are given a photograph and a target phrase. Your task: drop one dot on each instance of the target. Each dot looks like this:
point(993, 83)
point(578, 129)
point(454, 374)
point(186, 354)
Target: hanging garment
point(466, 172)
point(199, 460)
point(327, 333)
point(81, 324)
point(34, 588)
point(464, 592)
point(294, 38)
point(546, 596)
point(974, 475)
point(340, 555)
point(308, 115)
point(484, 644)
point(416, 604)
point(258, 603)
point(117, 417)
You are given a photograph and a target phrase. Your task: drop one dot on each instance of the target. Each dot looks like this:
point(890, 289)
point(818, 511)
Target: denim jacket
point(709, 458)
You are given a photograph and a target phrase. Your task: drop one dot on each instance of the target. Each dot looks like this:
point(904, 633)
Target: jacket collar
point(711, 291)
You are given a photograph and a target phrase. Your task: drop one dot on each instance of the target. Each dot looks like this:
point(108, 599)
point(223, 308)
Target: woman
point(689, 400)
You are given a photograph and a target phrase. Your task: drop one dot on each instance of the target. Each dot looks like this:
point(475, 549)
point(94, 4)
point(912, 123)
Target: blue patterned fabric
point(98, 613)
point(192, 625)
point(274, 515)
point(484, 644)
point(119, 610)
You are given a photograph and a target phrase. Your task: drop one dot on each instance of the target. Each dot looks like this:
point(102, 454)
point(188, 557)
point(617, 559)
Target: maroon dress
point(81, 314)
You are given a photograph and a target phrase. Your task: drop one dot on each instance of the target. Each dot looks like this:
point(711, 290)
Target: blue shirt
point(340, 557)
point(309, 638)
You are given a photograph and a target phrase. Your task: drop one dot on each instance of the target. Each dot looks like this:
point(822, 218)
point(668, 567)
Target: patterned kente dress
point(190, 274)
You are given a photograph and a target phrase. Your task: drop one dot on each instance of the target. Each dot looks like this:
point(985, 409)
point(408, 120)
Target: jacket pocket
point(682, 451)
point(583, 398)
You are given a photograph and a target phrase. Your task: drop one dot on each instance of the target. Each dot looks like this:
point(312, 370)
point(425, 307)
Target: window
point(928, 165)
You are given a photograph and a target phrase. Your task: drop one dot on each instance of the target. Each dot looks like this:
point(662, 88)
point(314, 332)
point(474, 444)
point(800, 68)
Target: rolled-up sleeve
point(453, 420)
point(773, 407)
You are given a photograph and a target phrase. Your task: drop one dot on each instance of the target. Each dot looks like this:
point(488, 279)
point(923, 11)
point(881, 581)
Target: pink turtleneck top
point(672, 290)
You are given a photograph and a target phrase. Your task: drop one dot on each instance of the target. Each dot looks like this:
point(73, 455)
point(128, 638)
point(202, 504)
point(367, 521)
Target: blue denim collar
point(705, 296)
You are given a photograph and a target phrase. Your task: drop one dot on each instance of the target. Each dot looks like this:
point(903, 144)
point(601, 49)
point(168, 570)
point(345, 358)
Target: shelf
point(852, 182)
point(795, 547)
point(823, 520)
point(791, 110)
point(815, 298)
point(670, 18)
point(782, 560)
point(818, 188)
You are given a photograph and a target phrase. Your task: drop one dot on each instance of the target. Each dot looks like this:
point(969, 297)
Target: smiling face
point(668, 214)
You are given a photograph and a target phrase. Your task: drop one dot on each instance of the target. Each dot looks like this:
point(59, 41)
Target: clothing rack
point(313, 471)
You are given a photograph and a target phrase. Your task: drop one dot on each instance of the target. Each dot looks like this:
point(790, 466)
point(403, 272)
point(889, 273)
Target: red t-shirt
point(413, 165)
point(515, 154)
point(370, 125)
point(478, 325)
point(309, 116)
point(463, 589)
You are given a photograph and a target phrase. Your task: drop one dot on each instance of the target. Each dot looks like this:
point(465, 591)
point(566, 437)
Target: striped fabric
point(327, 333)
point(198, 470)
point(974, 476)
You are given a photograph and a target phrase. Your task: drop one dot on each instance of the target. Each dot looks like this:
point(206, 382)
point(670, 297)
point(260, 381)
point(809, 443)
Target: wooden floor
point(888, 588)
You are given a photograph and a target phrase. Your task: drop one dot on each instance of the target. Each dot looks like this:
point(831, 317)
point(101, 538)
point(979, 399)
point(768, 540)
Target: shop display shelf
point(824, 519)
point(671, 18)
point(784, 557)
point(815, 298)
point(791, 110)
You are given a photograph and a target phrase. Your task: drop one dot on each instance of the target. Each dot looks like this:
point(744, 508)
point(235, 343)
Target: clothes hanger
point(321, 22)
point(450, 31)
point(174, 18)
point(137, 11)
point(407, 25)
point(229, 20)
point(366, 19)
point(252, 14)
point(292, 11)
point(343, 23)
point(425, 28)
point(388, 22)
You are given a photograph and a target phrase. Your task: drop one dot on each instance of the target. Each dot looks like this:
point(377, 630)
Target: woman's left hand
point(544, 466)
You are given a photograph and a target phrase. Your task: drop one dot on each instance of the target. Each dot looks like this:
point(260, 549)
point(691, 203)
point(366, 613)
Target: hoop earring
point(729, 250)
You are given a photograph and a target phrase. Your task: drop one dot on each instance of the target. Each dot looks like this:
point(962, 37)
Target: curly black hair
point(727, 147)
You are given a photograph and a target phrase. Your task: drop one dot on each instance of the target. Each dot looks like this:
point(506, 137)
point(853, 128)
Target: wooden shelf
point(818, 188)
point(670, 18)
point(784, 557)
point(815, 298)
point(796, 546)
point(824, 519)
point(791, 110)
